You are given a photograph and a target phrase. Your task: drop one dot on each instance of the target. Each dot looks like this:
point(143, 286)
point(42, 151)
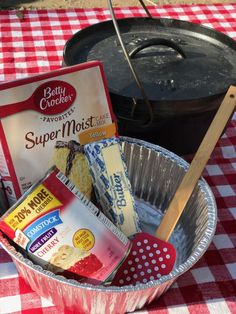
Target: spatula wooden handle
point(197, 166)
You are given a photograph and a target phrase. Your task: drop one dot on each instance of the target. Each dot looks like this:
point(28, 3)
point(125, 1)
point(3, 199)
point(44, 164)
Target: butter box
point(111, 184)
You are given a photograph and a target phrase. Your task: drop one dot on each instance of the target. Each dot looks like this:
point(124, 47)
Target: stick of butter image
point(112, 185)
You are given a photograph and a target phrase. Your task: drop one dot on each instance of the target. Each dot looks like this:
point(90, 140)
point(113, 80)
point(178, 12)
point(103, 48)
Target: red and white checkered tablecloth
point(32, 42)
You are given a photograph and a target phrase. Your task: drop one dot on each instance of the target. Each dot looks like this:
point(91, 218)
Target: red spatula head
point(149, 259)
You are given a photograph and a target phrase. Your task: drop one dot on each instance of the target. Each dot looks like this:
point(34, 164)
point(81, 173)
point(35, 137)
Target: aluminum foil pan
point(155, 174)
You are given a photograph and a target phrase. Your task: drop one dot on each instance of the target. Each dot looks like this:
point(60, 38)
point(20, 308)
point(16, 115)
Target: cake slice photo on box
point(69, 158)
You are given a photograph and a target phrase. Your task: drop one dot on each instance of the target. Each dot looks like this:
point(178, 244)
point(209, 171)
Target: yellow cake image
point(69, 158)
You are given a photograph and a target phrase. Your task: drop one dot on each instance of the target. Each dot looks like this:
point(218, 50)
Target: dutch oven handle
point(157, 41)
point(140, 85)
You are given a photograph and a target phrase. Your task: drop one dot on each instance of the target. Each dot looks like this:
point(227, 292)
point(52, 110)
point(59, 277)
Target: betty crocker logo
point(50, 98)
point(54, 97)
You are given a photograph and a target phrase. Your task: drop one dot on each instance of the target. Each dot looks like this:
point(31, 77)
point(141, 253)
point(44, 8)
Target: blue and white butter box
point(111, 184)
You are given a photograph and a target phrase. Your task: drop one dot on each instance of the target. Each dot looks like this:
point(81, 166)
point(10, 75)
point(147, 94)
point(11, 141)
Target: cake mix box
point(64, 232)
point(70, 104)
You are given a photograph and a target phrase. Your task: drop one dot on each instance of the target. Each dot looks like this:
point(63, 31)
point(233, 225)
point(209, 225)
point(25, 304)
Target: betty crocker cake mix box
point(70, 104)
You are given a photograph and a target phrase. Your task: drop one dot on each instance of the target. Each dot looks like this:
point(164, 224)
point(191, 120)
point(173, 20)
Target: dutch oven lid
point(174, 60)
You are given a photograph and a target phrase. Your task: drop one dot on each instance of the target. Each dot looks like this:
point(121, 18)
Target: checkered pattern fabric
point(32, 42)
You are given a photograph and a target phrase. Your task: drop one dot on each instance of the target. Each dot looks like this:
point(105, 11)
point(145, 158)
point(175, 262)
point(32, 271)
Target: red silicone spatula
point(152, 257)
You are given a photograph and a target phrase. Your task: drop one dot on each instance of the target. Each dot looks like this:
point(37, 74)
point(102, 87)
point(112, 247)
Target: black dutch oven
point(166, 77)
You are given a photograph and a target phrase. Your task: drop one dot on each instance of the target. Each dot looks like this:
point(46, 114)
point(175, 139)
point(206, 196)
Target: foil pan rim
point(175, 273)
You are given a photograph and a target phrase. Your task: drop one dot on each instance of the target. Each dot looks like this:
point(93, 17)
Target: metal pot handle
point(157, 41)
point(140, 85)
